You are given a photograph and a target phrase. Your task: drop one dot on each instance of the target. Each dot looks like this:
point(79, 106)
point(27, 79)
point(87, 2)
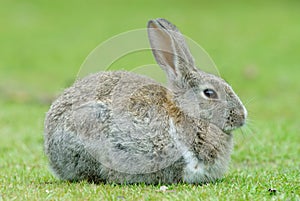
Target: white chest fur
point(194, 171)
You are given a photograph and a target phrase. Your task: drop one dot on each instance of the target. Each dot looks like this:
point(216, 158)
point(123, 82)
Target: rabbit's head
point(198, 94)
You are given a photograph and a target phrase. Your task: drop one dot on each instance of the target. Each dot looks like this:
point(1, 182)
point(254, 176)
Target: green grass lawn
point(256, 47)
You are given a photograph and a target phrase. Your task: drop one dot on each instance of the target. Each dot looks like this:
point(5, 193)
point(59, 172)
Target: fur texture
point(126, 128)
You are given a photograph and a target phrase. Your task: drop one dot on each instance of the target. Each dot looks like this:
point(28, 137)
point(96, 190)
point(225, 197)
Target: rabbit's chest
point(194, 171)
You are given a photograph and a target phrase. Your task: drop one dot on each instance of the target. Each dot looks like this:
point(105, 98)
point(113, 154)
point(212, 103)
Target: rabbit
point(121, 127)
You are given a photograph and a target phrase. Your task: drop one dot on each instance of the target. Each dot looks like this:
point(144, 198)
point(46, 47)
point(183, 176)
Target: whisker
point(250, 100)
point(248, 131)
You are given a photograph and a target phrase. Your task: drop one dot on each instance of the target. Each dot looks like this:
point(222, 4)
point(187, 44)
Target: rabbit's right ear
point(169, 48)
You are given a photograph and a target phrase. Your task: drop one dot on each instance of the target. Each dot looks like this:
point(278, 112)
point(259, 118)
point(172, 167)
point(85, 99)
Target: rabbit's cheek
point(206, 114)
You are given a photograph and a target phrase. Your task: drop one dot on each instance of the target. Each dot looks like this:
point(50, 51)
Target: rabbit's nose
point(242, 123)
point(237, 117)
point(243, 116)
point(245, 113)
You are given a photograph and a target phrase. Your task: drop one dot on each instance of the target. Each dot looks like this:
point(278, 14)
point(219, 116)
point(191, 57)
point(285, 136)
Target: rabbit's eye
point(209, 93)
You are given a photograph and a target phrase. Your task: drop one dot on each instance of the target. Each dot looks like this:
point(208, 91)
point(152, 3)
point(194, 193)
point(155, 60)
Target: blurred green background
point(256, 46)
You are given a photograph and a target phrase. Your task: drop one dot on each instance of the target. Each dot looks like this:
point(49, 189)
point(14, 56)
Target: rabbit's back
point(117, 120)
point(100, 87)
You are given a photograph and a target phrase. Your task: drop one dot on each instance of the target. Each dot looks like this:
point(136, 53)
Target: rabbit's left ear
point(169, 48)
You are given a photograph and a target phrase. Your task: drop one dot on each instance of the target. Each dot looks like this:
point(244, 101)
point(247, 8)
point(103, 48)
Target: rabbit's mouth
point(231, 127)
point(229, 131)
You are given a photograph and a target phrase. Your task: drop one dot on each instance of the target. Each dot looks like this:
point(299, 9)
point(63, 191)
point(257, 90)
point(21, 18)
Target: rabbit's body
point(123, 127)
point(89, 113)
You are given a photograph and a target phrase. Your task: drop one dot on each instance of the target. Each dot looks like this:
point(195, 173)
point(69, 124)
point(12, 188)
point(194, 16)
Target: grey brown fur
point(122, 127)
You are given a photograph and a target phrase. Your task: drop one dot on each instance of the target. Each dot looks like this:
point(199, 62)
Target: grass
point(256, 47)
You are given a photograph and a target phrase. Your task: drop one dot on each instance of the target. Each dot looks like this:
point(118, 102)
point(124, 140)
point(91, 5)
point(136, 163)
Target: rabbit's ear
point(169, 48)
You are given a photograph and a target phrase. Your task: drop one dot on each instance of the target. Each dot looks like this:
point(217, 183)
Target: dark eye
point(210, 93)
